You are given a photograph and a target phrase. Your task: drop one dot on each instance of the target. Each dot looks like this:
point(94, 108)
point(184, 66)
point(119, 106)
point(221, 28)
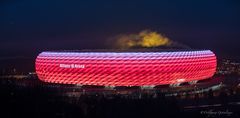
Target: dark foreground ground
point(34, 99)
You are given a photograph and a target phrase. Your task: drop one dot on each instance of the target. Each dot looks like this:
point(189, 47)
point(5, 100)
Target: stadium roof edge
point(128, 50)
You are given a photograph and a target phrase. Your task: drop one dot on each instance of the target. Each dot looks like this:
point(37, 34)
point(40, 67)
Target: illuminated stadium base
point(125, 68)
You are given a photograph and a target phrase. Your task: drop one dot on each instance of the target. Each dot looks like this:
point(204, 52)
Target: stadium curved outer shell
point(125, 68)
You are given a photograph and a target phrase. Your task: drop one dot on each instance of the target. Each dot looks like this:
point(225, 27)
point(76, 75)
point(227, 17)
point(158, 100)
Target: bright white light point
point(180, 80)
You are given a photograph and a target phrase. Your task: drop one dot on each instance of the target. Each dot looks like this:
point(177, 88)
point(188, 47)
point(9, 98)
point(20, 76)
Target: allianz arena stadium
point(125, 68)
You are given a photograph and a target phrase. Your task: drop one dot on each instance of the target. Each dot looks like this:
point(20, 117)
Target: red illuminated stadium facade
point(125, 68)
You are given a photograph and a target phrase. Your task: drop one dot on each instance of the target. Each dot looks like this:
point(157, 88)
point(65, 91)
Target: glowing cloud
point(145, 38)
point(153, 39)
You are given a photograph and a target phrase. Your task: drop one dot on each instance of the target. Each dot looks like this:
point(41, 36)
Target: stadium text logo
point(71, 66)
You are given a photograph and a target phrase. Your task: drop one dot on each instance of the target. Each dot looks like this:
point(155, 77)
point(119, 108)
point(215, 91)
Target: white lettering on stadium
point(71, 66)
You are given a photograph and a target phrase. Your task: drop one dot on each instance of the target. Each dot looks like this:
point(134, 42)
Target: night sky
point(28, 27)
